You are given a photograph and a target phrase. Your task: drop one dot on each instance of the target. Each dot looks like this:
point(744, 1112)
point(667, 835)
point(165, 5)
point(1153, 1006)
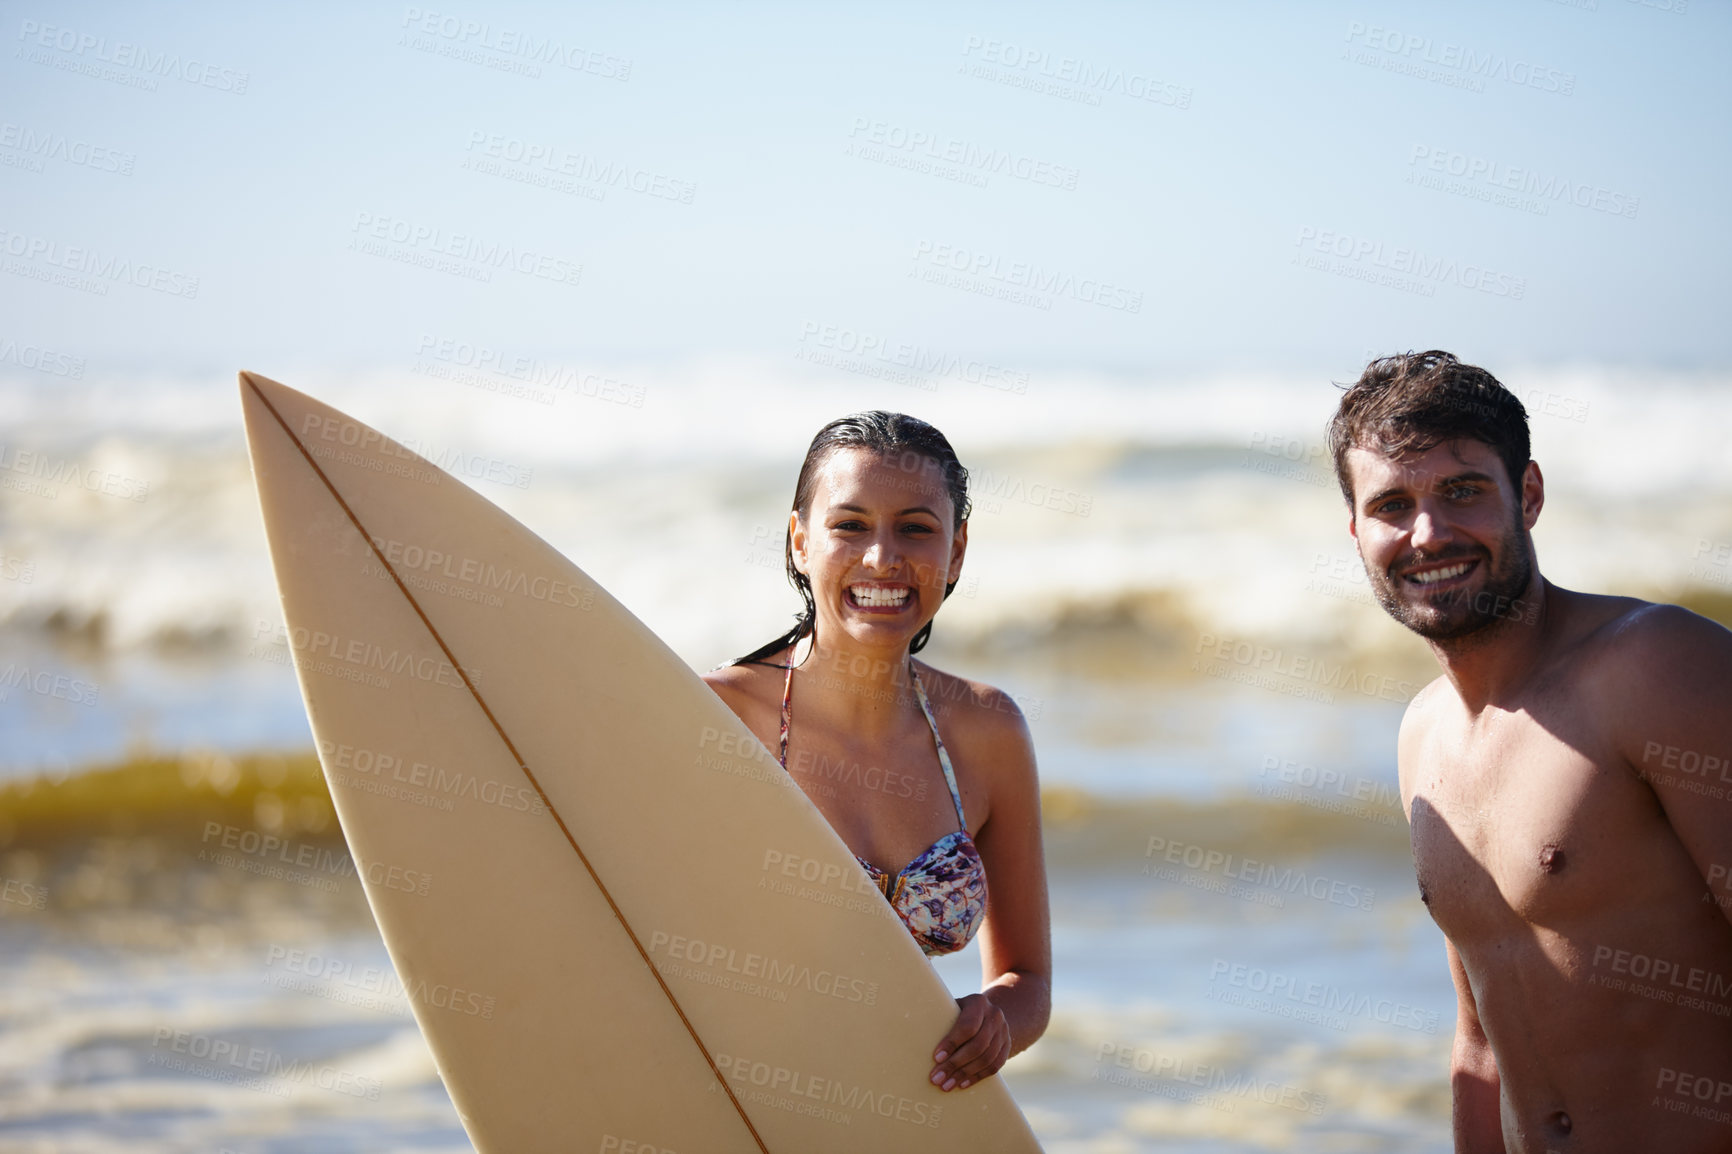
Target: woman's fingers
point(976, 1046)
point(986, 1064)
point(970, 1014)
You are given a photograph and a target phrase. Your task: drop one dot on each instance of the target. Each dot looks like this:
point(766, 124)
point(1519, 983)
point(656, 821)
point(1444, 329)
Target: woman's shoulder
point(974, 707)
point(747, 686)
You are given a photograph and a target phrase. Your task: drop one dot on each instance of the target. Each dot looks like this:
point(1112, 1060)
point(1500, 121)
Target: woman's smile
point(880, 597)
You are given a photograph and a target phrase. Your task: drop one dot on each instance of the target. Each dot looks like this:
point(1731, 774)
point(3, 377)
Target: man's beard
point(1459, 613)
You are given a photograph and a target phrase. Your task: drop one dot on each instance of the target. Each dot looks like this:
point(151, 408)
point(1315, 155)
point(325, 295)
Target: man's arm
point(1473, 1077)
point(1673, 681)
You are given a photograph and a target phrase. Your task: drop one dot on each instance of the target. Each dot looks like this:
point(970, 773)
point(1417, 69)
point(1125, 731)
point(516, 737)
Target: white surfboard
point(619, 924)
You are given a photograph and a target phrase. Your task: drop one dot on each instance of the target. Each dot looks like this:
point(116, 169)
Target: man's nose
point(1430, 528)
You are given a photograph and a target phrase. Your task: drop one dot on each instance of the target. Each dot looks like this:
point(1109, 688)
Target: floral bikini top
point(940, 895)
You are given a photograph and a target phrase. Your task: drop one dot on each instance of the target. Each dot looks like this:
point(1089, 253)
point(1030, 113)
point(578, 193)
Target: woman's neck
point(862, 688)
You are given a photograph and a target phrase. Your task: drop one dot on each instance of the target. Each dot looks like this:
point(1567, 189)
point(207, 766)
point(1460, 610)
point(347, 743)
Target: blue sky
point(1120, 188)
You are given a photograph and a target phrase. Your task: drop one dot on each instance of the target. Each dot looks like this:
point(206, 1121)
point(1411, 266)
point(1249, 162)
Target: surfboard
point(618, 923)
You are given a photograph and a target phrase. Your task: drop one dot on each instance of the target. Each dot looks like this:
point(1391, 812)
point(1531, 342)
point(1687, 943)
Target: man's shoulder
point(1653, 669)
point(1634, 643)
point(1425, 712)
point(1425, 706)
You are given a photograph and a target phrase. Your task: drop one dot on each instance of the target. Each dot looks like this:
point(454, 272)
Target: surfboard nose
point(252, 382)
point(267, 403)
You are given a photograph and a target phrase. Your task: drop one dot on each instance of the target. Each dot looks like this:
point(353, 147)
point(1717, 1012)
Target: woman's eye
point(849, 525)
point(916, 527)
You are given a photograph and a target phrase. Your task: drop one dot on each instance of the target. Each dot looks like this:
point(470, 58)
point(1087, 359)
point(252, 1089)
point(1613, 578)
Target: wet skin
point(878, 528)
point(1570, 858)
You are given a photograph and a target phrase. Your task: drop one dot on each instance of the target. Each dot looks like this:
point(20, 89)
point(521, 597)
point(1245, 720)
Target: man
point(1568, 782)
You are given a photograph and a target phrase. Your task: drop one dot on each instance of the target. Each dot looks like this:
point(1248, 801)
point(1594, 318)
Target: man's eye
point(850, 525)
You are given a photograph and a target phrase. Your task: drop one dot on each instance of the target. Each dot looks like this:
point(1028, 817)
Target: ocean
point(1158, 571)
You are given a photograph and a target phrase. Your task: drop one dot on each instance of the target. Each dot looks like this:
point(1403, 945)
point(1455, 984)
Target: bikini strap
point(787, 710)
point(925, 707)
point(943, 754)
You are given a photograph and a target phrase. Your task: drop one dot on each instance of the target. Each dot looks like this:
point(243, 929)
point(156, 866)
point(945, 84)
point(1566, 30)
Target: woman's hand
point(977, 1045)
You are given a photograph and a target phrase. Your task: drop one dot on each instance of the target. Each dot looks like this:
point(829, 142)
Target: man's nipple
point(1552, 858)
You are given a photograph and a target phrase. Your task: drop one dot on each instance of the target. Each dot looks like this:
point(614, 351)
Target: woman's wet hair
point(906, 442)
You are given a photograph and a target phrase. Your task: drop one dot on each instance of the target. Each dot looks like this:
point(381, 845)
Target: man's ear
point(1533, 494)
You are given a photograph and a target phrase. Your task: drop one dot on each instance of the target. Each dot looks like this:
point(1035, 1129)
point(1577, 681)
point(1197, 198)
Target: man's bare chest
point(1524, 826)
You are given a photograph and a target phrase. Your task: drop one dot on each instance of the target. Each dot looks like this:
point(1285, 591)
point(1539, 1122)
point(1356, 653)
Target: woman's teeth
point(877, 598)
point(1444, 574)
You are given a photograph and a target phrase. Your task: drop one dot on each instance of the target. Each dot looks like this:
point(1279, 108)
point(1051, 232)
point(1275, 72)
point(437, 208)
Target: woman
point(908, 764)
